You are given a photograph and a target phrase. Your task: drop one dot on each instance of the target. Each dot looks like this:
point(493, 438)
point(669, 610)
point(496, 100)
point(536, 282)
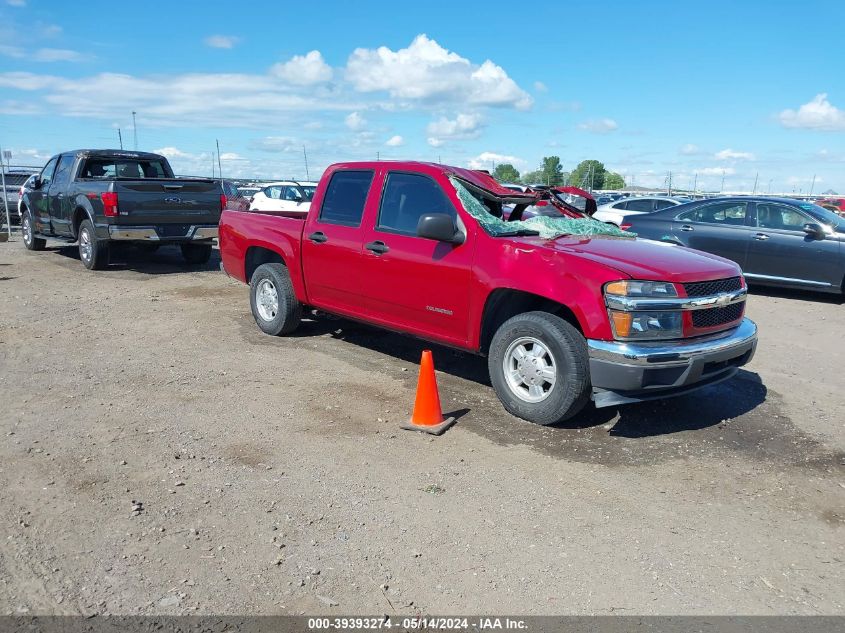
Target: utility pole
point(305, 156)
point(755, 183)
point(135, 130)
point(722, 188)
point(213, 169)
point(378, 156)
point(219, 164)
point(813, 185)
point(770, 185)
point(695, 183)
point(5, 197)
point(670, 184)
point(120, 138)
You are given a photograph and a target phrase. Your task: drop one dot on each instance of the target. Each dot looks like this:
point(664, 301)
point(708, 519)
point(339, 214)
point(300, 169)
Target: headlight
point(633, 288)
point(646, 325)
point(629, 322)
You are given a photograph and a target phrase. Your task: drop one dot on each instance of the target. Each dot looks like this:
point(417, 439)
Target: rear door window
point(406, 198)
point(620, 205)
point(730, 213)
point(663, 204)
point(345, 197)
point(645, 206)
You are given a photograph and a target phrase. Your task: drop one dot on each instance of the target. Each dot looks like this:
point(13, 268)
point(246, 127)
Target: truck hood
point(644, 259)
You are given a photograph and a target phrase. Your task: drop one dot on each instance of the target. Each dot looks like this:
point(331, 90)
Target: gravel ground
point(161, 455)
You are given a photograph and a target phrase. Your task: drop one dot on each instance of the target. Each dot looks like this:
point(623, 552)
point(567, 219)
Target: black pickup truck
point(101, 196)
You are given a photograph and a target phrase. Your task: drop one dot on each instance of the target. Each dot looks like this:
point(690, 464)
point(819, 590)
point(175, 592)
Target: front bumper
point(623, 372)
point(157, 234)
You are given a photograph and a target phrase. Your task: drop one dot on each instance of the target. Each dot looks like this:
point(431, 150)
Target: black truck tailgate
point(167, 201)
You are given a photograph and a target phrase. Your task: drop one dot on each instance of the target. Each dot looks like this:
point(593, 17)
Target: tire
point(550, 347)
point(93, 253)
point(275, 307)
point(31, 242)
point(196, 253)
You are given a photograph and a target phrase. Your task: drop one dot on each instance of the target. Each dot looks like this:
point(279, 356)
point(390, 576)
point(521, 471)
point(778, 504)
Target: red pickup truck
point(423, 249)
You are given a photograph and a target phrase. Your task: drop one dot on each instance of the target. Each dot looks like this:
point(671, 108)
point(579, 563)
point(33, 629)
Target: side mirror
point(36, 184)
point(440, 227)
point(814, 230)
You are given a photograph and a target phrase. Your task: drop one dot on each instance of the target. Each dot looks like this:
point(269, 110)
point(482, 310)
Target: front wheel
point(196, 253)
point(539, 368)
point(274, 304)
point(31, 242)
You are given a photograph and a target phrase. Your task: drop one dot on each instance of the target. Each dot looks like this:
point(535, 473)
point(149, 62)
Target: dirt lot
point(273, 478)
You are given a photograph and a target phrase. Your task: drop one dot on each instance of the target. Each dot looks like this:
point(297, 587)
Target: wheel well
point(504, 303)
point(257, 255)
point(79, 215)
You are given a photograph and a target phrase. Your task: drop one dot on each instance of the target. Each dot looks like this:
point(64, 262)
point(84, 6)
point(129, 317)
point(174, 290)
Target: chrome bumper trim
point(148, 233)
point(671, 354)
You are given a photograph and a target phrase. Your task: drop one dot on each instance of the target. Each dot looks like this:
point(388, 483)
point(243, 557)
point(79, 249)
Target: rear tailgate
point(168, 201)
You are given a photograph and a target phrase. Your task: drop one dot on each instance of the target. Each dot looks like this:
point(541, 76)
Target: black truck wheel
point(539, 367)
point(275, 307)
point(196, 253)
point(94, 253)
point(31, 242)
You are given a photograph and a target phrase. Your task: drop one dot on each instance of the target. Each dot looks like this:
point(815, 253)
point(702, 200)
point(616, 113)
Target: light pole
point(135, 130)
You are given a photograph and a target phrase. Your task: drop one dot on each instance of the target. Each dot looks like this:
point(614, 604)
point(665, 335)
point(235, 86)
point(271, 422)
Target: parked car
point(560, 320)
point(25, 187)
point(834, 204)
point(514, 186)
point(103, 196)
point(776, 241)
point(287, 196)
point(614, 212)
point(248, 192)
point(15, 181)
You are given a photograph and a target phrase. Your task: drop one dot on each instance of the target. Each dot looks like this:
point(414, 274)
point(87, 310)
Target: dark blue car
point(776, 241)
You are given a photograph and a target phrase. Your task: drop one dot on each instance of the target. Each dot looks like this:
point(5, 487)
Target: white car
point(614, 212)
point(286, 195)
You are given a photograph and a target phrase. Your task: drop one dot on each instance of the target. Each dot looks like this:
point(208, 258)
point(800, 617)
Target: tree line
point(588, 174)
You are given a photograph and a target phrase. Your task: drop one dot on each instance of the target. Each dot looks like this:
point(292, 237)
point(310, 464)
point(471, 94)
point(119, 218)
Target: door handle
point(378, 247)
point(318, 237)
point(687, 227)
point(760, 237)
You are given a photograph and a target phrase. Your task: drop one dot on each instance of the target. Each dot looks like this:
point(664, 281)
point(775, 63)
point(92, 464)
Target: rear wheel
point(196, 253)
point(31, 242)
point(539, 367)
point(94, 253)
point(275, 307)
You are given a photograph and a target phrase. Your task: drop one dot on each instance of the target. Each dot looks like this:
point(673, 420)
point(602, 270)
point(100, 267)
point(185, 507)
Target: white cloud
point(221, 41)
point(462, 127)
point(690, 149)
point(425, 71)
point(276, 144)
point(43, 54)
point(231, 156)
point(172, 152)
point(304, 70)
point(599, 126)
point(486, 160)
point(716, 171)
point(539, 86)
point(729, 154)
point(355, 121)
point(16, 3)
point(395, 141)
point(817, 114)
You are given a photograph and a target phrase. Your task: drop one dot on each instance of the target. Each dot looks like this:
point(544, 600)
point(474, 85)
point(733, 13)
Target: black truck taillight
point(223, 201)
point(109, 199)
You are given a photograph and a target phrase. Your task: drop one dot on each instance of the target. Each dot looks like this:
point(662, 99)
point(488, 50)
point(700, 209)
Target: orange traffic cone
point(428, 416)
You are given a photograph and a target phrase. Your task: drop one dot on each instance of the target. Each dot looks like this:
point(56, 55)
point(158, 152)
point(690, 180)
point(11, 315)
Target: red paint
point(436, 290)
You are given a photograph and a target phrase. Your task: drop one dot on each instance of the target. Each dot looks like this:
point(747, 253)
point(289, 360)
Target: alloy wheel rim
point(85, 246)
point(27, 230)
point(267, 300)
point(530, 369)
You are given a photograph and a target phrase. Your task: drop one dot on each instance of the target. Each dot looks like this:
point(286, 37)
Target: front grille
point(711, 317)
point(707, 288)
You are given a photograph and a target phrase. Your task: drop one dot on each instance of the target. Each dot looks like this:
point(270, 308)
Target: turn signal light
point(109, 199)
point(622, 323)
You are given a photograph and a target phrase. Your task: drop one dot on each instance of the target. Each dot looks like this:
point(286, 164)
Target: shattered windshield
point(544, 226)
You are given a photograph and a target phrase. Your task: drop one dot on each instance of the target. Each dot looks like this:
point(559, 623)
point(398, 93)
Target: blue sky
point(717, 88)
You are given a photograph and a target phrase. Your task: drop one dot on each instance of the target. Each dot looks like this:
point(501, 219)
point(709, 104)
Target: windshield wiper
point(519, 233)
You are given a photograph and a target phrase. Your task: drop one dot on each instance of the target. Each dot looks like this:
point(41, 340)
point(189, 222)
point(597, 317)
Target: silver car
point(614, 212)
